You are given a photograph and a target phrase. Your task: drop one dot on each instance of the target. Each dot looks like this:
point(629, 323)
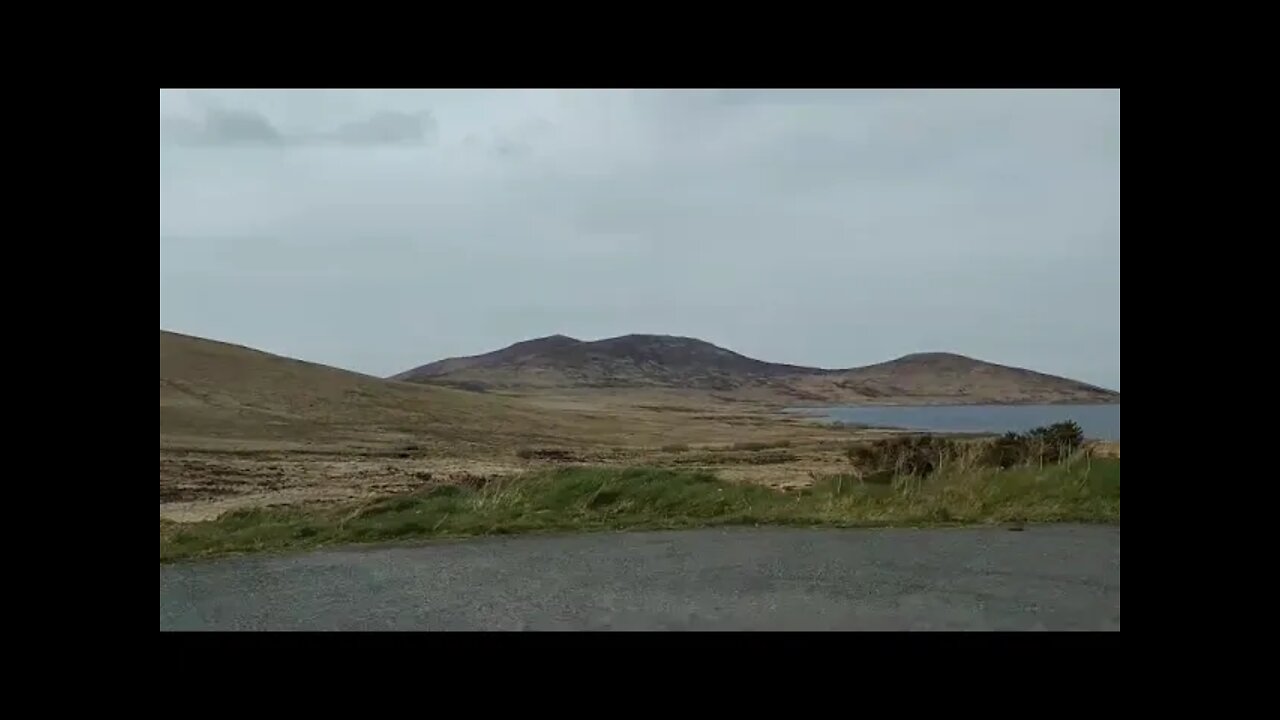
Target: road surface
point(1044, 578)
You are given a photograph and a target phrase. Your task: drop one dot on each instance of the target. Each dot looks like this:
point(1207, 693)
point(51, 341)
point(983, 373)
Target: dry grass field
point(239, 427)
point(243, 430)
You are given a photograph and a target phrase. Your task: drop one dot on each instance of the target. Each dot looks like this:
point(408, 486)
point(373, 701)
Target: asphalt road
point(1044, 578)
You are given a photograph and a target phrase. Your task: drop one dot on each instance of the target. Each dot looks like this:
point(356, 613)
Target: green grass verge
point(578, 499)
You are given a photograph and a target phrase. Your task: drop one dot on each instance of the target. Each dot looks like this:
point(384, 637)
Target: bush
point(1006, 451)
point(922, 455)
point(905, 455)
point(1058, 441)
point(1048, 444)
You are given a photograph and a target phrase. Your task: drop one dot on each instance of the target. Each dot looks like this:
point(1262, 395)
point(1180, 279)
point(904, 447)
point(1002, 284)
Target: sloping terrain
point(667, 362)
point(244, 428)
point(220, 396)
point(629, 361)
point(946, 377)
point(512, 355)
point(212, 391)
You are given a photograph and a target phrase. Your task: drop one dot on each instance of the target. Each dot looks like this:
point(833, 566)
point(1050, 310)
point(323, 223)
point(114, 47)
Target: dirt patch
point(199, 486)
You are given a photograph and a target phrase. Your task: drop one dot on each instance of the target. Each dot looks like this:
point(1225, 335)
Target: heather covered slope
point(627, 361)
point(947, 377)
point(510, 355)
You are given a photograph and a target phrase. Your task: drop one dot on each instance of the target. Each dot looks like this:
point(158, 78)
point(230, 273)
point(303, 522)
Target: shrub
point(1059, 440)
point(1005, 451)
point(905, 455)
point(922, 455)
point(1047, 444)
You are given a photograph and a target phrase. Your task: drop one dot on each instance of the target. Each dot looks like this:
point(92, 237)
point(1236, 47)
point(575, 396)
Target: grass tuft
point(923, 455)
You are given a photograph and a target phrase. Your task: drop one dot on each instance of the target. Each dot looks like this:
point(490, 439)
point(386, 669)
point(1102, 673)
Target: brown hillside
point(629, 361)
point(242, 428)
point(512, 354)
point(212, 391)
point(947, 377)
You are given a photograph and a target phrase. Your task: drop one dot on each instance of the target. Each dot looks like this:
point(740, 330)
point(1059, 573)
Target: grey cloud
point(508, 148)
point(514, 143)
point(218, 126)
point(389, 128)
point(240, 126)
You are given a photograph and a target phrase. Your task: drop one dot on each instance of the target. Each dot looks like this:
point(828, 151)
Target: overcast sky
point(379, 230)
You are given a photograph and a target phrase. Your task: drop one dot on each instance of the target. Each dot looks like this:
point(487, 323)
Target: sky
point(377, 230)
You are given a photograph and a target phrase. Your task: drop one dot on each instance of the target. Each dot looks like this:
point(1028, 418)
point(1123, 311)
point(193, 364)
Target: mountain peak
point(934, 355)
point(550, 341)
point(507, 355)
point(932, 359)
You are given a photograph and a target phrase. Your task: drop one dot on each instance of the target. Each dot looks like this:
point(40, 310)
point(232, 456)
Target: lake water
point(1099, 422)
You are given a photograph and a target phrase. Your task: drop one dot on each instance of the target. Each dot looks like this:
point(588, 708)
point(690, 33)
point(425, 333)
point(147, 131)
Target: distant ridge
point(682, 363)
point(510, 354)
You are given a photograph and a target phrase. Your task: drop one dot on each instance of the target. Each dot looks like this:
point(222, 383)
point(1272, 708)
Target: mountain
point(681, 363)
point(626, 361)
point(933, 378)
point(512, 354)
